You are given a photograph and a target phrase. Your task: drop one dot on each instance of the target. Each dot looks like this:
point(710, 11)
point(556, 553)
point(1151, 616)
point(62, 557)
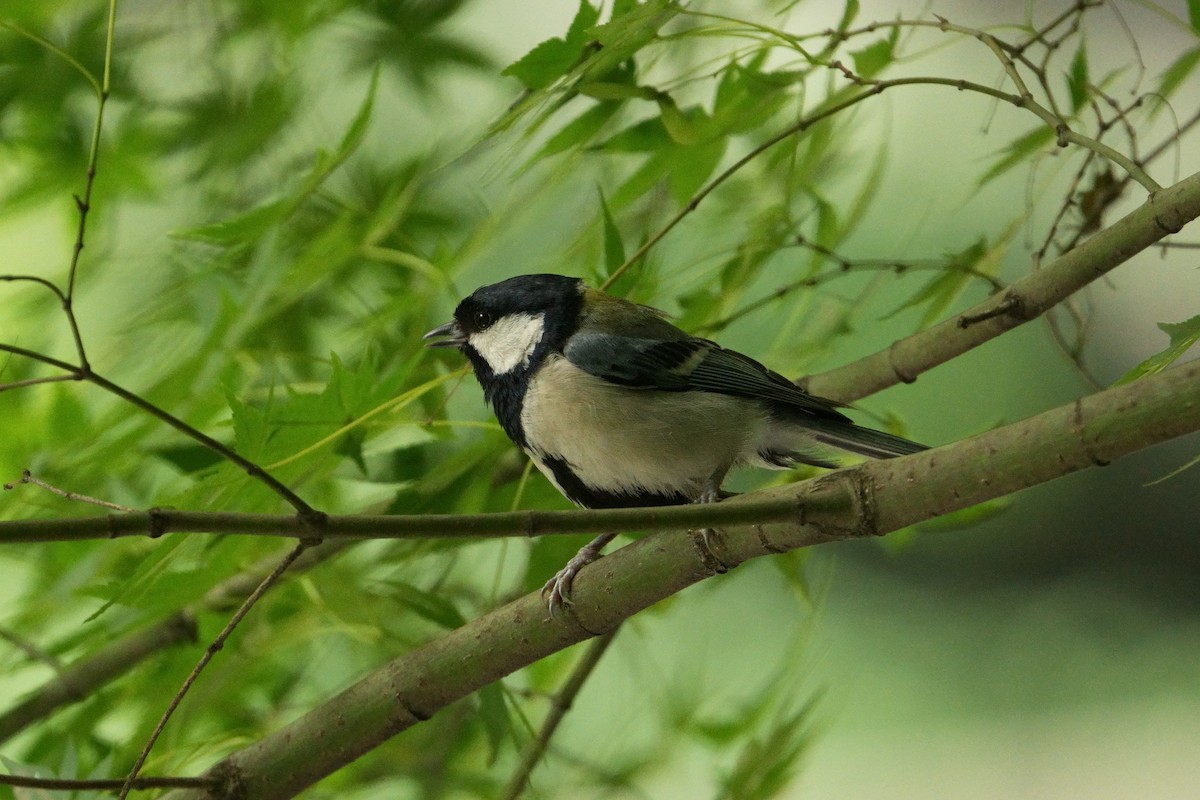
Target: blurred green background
point(1051, 650)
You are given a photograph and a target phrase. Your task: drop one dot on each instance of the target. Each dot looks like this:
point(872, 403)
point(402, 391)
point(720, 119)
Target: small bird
point(618, 407)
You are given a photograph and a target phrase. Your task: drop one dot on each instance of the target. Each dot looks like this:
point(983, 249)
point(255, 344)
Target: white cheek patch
point(510, 341)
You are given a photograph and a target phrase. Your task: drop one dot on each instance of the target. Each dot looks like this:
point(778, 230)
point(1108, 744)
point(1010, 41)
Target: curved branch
point(872, 499)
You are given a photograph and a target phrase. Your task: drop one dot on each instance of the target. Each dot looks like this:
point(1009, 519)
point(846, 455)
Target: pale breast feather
point(635, 441)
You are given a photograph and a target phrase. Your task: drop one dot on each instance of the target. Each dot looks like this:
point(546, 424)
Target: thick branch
point(871, 499)
point(1165, 213)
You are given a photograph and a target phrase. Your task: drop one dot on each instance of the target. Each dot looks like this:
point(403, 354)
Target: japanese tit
point(618, 407)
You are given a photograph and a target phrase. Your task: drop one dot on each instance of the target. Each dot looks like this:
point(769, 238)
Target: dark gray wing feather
point(688, 364)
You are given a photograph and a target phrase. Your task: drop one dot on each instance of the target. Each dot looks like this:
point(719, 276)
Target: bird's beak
point(452, 330)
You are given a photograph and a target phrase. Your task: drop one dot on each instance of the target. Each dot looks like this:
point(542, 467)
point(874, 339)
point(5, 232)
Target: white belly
point(620, 439)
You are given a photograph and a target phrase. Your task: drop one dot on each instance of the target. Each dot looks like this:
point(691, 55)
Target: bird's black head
point(507, 329)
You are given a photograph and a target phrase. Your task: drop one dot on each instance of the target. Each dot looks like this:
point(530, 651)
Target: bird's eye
point(482, 320)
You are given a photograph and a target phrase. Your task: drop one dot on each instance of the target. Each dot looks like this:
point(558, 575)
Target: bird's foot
point(711, 494)
point(557, 591)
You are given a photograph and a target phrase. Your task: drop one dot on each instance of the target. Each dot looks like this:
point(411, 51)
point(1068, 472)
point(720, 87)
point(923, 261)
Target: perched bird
point(618, 407)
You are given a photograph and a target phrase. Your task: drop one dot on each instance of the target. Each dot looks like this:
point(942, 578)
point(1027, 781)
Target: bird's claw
point(557, 591)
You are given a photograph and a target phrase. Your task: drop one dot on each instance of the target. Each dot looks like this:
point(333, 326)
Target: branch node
point(864, 499)
point(903, 375)
point(1081, 431)
point(419, 716)
point(158, 522)
point(228, 781)
point(1060, 134)
point(312, 524)
point(766, 543)
point(1169, 227)
point(1010, 306)
point(703, 540)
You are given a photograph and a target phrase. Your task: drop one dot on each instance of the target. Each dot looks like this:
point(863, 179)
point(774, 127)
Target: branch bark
point(871, 499)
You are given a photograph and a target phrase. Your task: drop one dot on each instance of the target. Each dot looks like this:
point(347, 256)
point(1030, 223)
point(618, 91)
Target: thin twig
point(559, 707)
point(208, 655)
point(38, 280)
point(35, 381)
point(27, 477)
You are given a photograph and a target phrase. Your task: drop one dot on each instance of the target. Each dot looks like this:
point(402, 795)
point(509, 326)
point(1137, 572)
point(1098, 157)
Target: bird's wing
point(688, 364)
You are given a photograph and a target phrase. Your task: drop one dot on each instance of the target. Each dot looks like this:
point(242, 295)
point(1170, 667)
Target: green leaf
point(1194, 14)
point(848, 15)
point(133, 587)
point(1017, 151)
point(544, 64)
point(938, 293)
point(680, 126)
point(579, 130)
point(966, 517)
point(647, 136)
point(253, 224)
point(874, 58)
point(625, 34)
point(427, 605)
point(692, 166)
point(610, 90)
point(1077, 79)
point(354, 134)
point(1182, 335)
point(554, 58)
point(244, 227)
point(747, 98)
point(769, 761)
point(251, 432)
point(1174, 75)
point(497, 724)
point(614, 248)
point(188, 457)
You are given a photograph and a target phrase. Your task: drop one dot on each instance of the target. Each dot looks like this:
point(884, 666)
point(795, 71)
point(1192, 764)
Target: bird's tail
point(863, 441)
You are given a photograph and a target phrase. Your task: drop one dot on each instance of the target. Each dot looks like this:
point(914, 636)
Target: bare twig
point(27, 477)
